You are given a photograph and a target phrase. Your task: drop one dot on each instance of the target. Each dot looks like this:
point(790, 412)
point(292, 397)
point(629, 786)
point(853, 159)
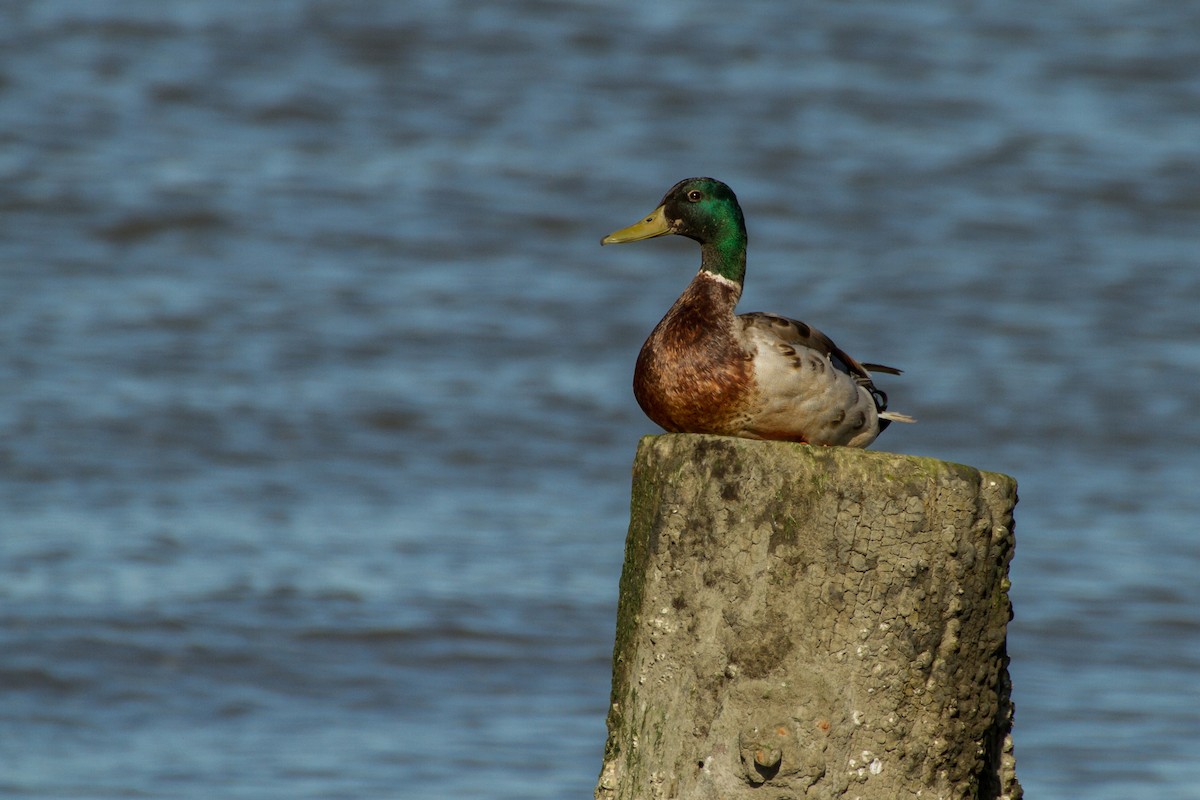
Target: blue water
point(316, 423)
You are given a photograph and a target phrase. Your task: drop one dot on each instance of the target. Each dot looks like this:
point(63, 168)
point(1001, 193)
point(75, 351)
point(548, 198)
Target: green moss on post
point(810, 622)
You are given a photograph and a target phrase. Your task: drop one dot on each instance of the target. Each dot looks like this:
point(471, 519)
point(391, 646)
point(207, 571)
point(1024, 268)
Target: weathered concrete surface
point(803, 622)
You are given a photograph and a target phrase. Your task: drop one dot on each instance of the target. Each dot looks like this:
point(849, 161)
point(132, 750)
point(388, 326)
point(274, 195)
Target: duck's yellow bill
point(653, 225)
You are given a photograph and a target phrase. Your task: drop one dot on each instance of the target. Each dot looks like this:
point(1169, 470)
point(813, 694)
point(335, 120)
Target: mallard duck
point(759, 376)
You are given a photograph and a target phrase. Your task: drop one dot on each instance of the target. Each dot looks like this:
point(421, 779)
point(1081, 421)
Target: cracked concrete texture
point(802, 622)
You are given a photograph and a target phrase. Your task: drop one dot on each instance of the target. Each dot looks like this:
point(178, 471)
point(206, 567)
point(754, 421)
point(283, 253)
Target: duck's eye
point(694, 196)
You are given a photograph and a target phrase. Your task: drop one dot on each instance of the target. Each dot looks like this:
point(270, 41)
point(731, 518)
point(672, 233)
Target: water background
point(315, 428)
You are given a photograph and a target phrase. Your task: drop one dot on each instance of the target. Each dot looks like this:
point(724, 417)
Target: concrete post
point(807, 622)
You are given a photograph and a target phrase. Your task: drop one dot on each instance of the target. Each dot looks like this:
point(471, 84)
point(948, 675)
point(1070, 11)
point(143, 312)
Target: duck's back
point(807, 389)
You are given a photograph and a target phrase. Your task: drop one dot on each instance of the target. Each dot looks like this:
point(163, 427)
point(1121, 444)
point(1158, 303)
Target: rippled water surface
point(316, 428)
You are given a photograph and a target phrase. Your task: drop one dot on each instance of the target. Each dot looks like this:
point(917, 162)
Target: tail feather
point(883, 368)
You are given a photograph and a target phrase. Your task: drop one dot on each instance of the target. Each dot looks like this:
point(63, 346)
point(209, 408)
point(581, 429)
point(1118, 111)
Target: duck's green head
point(703, 209)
